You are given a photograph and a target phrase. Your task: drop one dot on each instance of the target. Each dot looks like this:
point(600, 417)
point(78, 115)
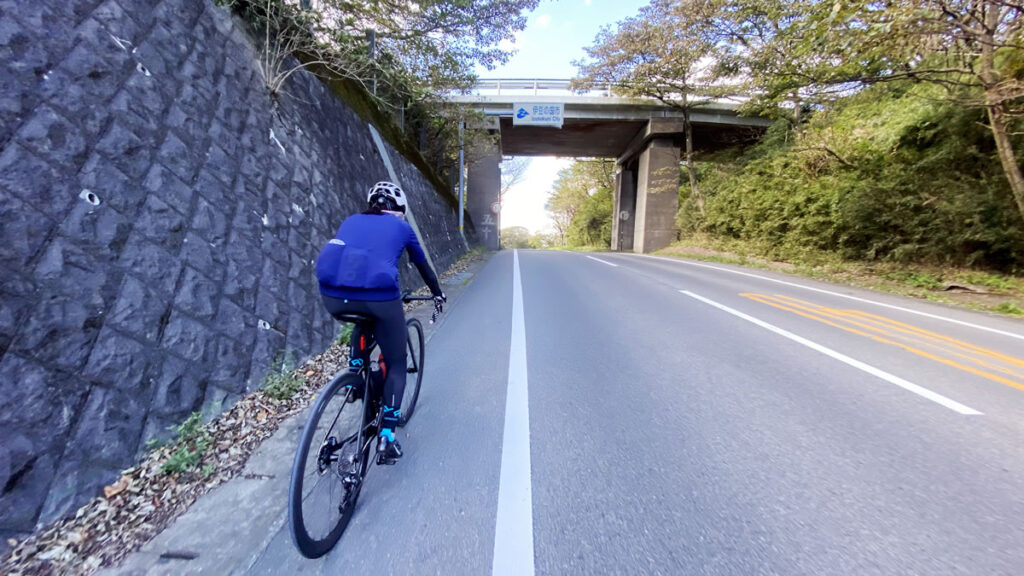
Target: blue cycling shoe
point(388, 450)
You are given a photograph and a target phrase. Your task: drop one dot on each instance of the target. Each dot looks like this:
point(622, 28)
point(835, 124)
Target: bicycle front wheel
point(414, 369)
point(329, 467)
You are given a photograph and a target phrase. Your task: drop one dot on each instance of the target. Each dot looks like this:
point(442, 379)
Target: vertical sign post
point(462, 186)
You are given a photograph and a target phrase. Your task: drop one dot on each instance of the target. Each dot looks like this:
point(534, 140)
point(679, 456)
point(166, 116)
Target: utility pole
point(462, 185)
point(371, 40)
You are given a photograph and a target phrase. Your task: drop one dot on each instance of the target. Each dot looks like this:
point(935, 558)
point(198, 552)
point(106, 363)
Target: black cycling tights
point(389, 331)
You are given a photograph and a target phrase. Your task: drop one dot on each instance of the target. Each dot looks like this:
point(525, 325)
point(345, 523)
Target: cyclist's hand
point(439, 301)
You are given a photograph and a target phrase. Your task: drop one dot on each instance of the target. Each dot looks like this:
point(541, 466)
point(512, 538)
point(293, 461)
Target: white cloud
point(543, 21)
point(587, 2)
point(510, 44)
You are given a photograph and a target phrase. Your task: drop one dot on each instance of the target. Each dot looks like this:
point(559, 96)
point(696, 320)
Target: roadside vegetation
point(284, 380)
point(392, 62)
point(898, 168)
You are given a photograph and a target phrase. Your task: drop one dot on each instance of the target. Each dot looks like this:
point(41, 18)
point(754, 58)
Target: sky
point(555, 35)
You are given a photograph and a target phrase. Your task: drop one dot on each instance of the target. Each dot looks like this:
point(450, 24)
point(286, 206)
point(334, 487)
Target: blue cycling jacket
point(361, 262)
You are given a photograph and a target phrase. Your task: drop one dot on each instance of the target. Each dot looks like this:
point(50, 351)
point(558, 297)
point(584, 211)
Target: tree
point(668, 52)
point(289, 30)
point(407, 53)
point(566, 197)
point(572, 202)
point(516, 237)
point(513, 170)
point(758, 45)
point(972, 49)
point(592, 224)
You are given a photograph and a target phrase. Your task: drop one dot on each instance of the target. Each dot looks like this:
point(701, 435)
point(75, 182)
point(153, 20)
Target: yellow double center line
point(965, 356)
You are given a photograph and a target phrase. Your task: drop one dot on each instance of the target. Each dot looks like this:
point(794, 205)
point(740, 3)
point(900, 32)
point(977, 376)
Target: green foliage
point(581, 203)
point(996, 282)
point(422, 50)
point(890, 173)
point(207, 470)
point(924, 280)
point(344, 334)
point(1008, 308)
point(676, 52)
point(516, 237)
point(191, 443)
point(810, 55)
point(520, 238)
point(420, 46)
point(592, 224)
point(282, 382)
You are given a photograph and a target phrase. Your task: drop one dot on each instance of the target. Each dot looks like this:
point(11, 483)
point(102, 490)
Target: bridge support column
point(483, 189)
point(624, 209)
point(657, 196)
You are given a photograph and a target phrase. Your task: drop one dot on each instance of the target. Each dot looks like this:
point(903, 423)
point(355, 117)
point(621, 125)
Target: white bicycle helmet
point(382, 192)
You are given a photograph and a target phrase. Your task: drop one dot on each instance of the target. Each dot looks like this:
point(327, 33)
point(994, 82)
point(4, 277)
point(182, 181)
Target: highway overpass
point(645, 136)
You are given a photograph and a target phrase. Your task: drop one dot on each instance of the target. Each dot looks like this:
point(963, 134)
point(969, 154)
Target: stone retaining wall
point(159, 219)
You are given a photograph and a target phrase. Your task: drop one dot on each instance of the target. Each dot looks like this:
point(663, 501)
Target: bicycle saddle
point(354, 318)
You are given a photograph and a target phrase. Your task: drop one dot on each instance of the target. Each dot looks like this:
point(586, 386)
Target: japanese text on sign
point(537, 114)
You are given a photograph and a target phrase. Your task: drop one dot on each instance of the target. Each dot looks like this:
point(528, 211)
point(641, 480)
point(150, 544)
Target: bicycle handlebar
point(438, 308)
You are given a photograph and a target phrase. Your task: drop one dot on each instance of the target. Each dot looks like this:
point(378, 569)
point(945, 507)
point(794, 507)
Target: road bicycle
point(334, 452)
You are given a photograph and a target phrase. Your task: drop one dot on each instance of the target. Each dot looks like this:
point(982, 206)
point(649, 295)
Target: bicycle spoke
point(327, 473)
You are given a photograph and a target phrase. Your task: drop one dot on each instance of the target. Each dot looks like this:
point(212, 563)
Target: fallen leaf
point(117, 488)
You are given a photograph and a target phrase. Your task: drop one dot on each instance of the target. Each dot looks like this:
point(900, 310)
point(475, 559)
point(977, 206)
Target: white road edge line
point(513, 527)
point(847, 296)
point(909, 386)
point(604, 262)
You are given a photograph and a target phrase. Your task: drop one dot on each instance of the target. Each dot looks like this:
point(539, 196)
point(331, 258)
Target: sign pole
point(462, 187)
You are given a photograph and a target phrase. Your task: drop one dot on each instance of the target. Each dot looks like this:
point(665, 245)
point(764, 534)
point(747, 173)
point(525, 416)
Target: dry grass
point(974, 289)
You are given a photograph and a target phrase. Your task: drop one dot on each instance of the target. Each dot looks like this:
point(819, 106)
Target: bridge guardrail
point(536, 85)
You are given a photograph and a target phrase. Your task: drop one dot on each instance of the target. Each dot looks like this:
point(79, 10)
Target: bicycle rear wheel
point(414, 369)
point(329, 467)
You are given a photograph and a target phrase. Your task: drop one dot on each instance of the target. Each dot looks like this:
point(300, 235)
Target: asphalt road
point(689, 418)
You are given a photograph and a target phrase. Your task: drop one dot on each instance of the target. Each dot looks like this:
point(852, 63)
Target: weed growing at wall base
point(344, 335)
point(283, 381)
point(192, 442)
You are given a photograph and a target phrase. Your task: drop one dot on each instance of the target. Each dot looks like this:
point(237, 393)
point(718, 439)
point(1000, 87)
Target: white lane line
point(910, 386)
point(847, 296)
point(604, 262)
point(513, 530)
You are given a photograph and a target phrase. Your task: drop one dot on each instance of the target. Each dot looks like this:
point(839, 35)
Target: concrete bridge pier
point(624, 209)
point(644, 135)
point(483, 189)
point(647, 195)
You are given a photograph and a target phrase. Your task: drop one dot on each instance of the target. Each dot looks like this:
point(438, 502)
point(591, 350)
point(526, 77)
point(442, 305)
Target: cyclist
point(358, 273)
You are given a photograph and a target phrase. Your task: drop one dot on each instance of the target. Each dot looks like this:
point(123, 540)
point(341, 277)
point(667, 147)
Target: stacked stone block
point(160, 218)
